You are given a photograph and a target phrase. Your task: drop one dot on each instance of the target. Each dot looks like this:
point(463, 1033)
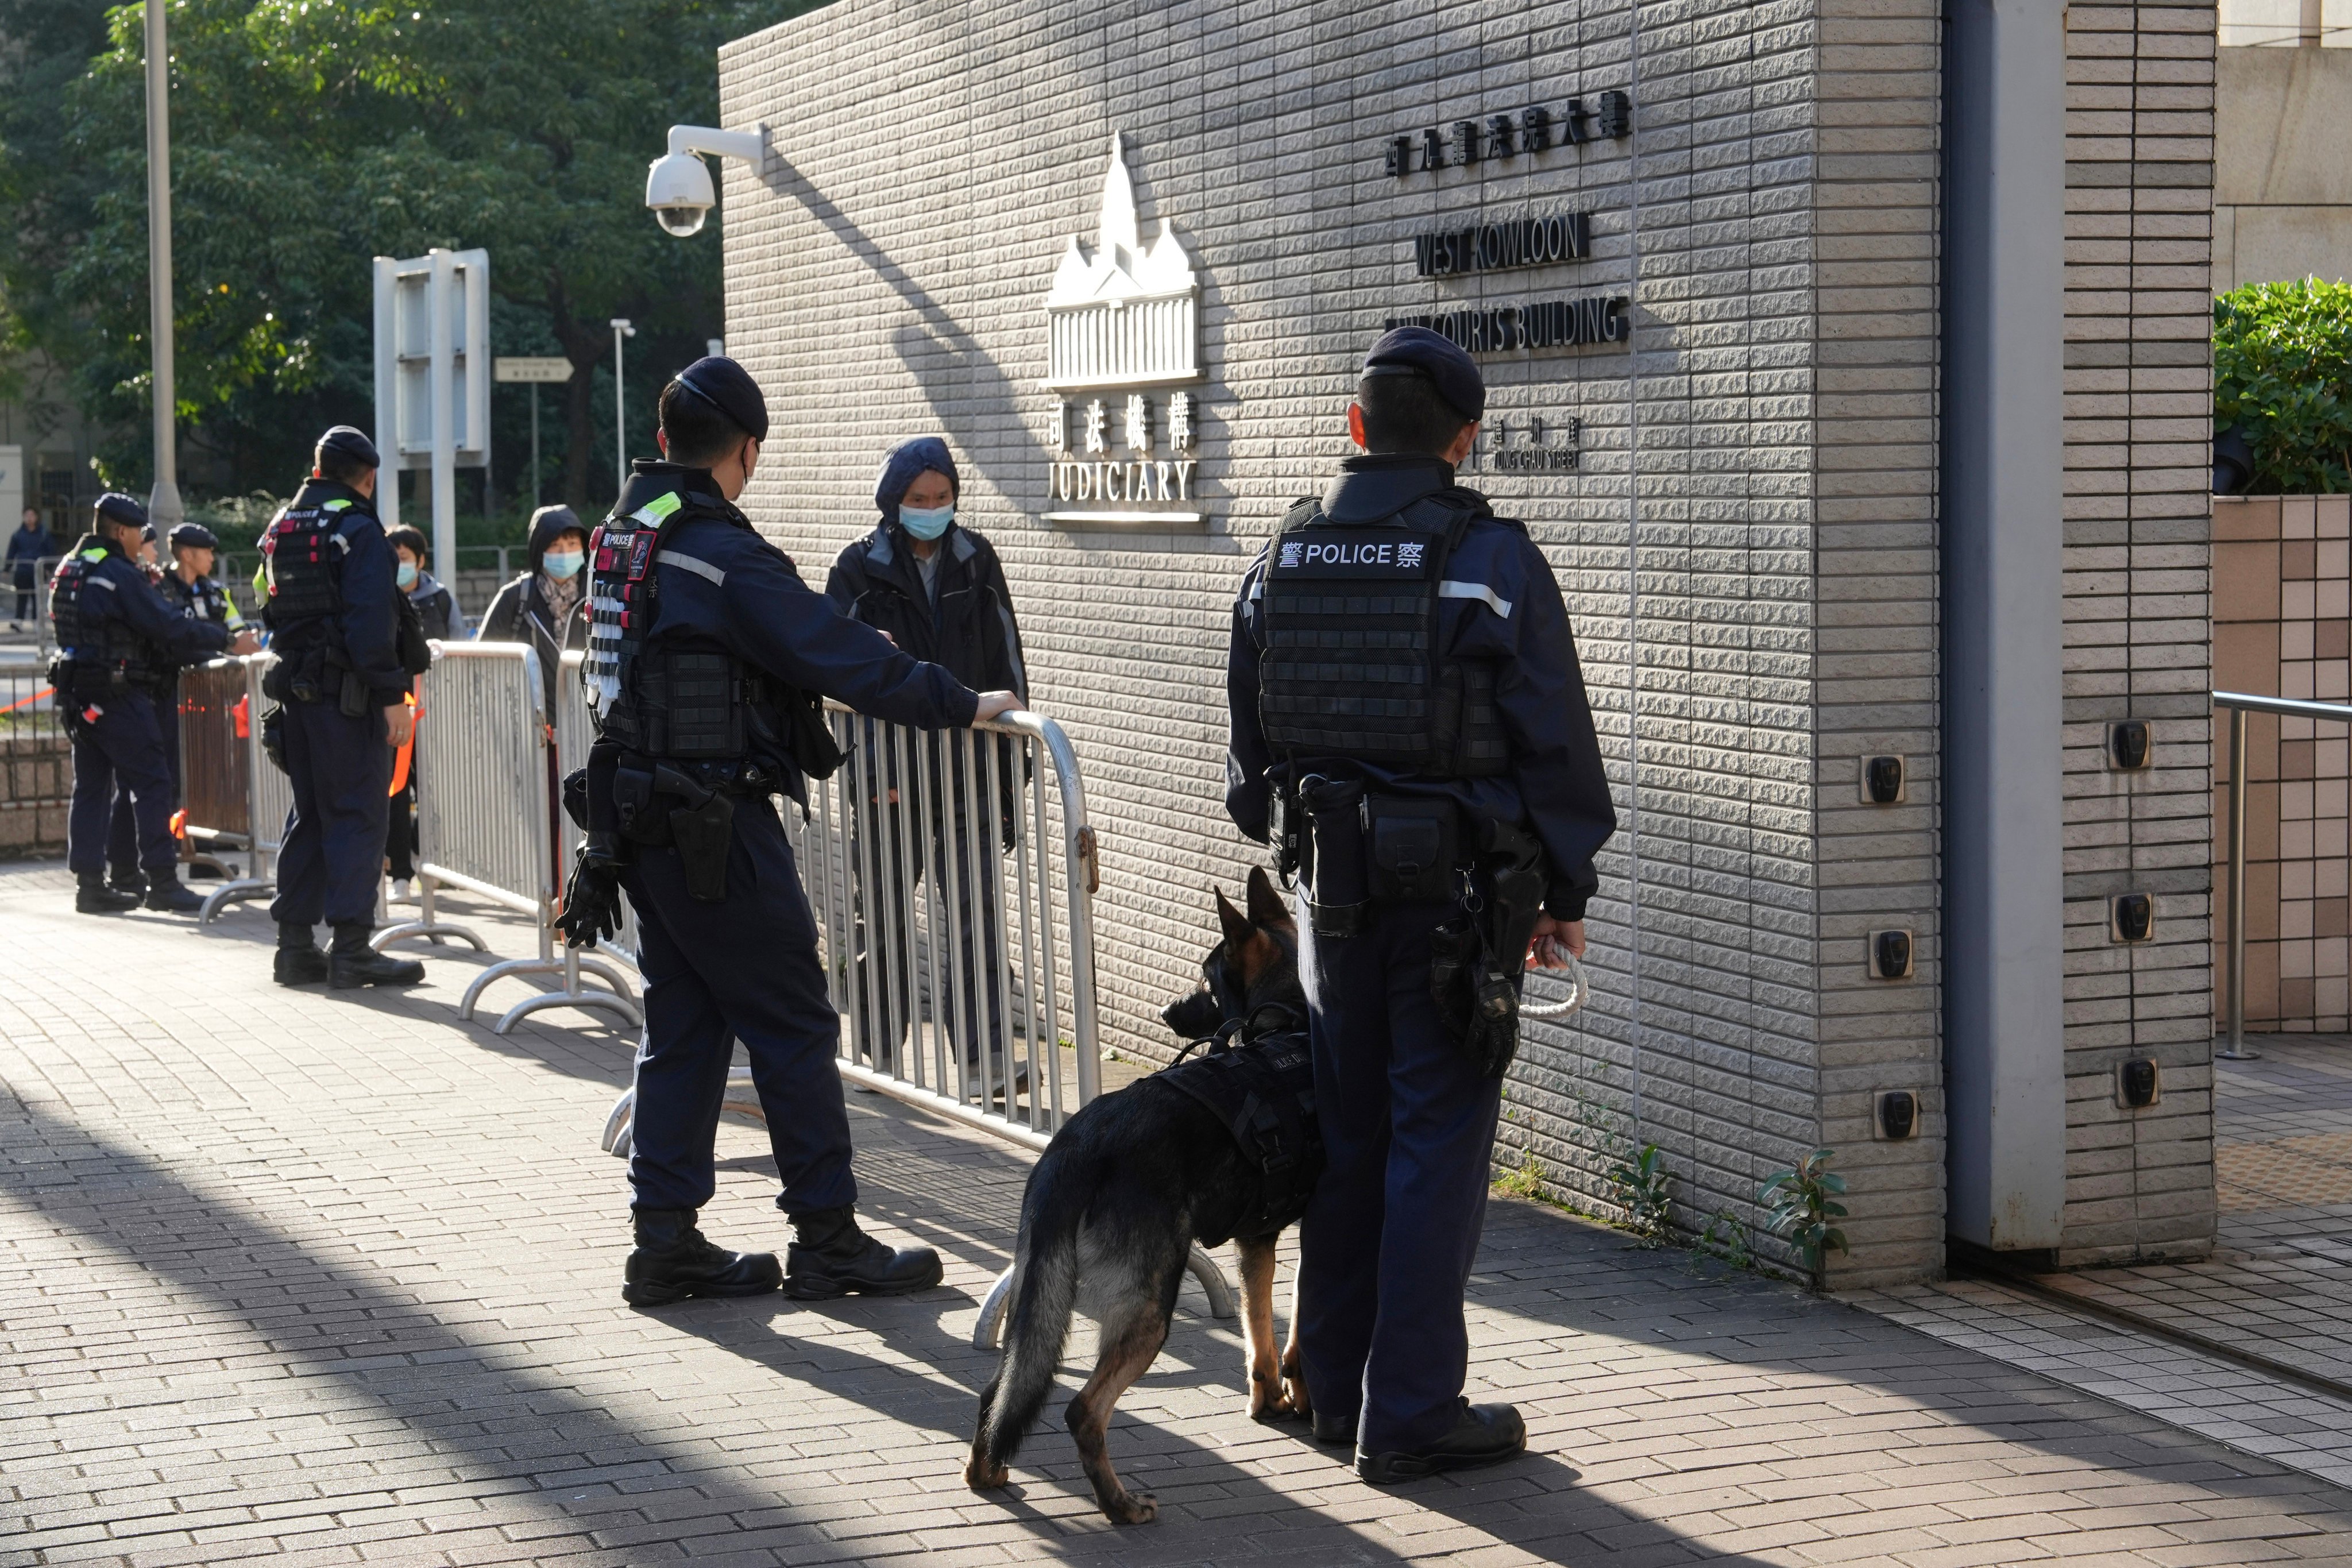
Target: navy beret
point(1417, 351)
point(728, 387)
point(120, 510)
point(350, 442)
point(193, 536)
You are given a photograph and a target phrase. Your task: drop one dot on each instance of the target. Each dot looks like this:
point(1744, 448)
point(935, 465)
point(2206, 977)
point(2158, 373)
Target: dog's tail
point(1044, 1292)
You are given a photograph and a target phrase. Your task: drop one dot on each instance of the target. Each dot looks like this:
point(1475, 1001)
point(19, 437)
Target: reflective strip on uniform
point(99, 583)
point(1494, 601)
point(334, 506)
point(660, 507)
point(701, 568)
point(93, 556)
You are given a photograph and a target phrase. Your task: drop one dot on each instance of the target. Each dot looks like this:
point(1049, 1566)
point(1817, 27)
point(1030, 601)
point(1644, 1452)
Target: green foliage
point(1524, 1180)
point(2283, 373)
point(1727, 1237)
point(308, 137)
point(1803, 1202)
point(1638, 1185)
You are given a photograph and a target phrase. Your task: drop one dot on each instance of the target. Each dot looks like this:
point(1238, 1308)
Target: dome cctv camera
point(679, 191)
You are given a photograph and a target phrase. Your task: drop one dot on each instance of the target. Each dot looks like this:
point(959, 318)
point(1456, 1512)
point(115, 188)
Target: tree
point(309, 135)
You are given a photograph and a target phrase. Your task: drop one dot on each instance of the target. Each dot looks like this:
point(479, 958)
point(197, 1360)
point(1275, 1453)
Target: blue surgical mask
point(406, 575)
point(561, 567)
point(926, 523)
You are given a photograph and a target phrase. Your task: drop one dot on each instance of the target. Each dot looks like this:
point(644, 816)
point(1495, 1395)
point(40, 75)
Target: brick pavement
point(326, 1279)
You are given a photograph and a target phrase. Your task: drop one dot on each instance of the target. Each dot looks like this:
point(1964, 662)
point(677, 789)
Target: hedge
point(2283, 375)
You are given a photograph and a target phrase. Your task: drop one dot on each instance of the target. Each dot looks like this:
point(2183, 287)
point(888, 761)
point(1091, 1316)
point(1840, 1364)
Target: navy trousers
point(121, 749)
point(1408, 1124)
point(340, 768)
point(744, 968)
point(123, 847)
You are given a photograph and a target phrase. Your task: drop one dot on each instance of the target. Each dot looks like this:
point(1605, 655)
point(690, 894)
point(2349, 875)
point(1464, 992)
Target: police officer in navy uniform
point(119, 643)
point(334, 612)
point(707, 657)
point(189, 587)
point(1408, 726)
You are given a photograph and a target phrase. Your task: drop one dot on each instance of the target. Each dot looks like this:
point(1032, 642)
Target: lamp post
point(620, 329)
point(163, 502)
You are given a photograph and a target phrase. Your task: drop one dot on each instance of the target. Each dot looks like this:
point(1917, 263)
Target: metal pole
point(535, 446)
point(444, 306)
point(2237, 1051)
point(620, 329)
point(163, 501)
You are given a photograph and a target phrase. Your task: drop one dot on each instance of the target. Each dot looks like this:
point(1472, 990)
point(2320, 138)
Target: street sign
point(508, 368)
point(432, 378)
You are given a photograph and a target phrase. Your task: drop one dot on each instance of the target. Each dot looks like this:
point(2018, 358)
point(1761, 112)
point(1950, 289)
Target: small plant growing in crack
point(1638, 1182)
point(1727, 1237)
point(1803, 1202)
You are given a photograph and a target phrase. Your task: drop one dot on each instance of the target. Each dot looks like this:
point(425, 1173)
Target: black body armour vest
point(667, 702)
point(1350, 669)
point(98, 654)
point(303, 560)
point(1264, 1093)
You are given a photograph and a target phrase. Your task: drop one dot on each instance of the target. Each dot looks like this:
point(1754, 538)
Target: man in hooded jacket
point(547, 607)
point(936, 589)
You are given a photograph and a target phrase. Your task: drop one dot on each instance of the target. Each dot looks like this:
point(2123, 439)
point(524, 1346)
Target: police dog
point(1115, 1205)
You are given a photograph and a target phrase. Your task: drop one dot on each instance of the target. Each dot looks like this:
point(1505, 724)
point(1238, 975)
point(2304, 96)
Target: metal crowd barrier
point(28, 709)
point(210, 734)
point(487, 810)
point(575, 731)
point(959, 950)
point(2239, 705)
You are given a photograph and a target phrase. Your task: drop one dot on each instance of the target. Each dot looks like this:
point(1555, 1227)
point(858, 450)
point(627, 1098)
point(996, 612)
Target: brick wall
point(1748, 550)
point(2138, 421)
point(36, 788)
point(2282, 591)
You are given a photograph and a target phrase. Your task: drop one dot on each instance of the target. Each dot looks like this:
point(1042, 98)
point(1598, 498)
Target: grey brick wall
point(2139, 150)
point(1748, 550)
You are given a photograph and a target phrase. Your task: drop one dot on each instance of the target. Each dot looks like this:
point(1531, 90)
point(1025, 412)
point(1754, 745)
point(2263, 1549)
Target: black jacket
point(521, 612)
point(971, 631)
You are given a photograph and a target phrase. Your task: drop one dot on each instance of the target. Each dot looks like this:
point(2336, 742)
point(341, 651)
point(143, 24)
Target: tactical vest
point(1352, 670)
point(302, 555)
point(96, 653)
point(692, 706)
point(1263, 1091)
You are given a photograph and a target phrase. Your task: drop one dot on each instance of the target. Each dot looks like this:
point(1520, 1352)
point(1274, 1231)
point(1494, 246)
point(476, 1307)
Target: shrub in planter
point(2283, 377)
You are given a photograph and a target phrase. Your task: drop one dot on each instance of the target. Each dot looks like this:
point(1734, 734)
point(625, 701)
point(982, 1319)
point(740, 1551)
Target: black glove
point(592, 904)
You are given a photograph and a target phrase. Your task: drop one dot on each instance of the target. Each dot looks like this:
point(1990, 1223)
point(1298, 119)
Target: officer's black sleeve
point(370, 620)
point(141, 606)
point(1556, 755)
point(1247, 756)
point(784, 627)
point(845, 581)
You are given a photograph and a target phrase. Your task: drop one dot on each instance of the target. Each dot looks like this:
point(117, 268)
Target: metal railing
point(28, 709)
point(216, 716)
point(2239, 705)
point(486, 808)
point(214, 730)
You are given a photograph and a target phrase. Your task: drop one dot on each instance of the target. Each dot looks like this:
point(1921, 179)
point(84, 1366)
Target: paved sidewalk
point(334, 1278)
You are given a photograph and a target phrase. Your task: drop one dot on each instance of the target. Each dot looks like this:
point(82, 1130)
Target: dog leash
point(1580, 991)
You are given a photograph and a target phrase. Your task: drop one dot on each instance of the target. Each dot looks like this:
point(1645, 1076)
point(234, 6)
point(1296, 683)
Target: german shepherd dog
point(1113, 1208)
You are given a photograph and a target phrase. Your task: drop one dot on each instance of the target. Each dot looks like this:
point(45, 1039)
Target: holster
point(1477, 957)
point(1338, 896)
point(703, 829)
point(273, 735)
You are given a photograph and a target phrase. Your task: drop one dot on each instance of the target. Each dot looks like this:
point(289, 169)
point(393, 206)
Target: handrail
point(2240, 704)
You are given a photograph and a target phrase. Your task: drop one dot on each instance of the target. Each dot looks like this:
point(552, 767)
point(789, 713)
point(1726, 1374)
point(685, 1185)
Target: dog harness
point(1263, 1090)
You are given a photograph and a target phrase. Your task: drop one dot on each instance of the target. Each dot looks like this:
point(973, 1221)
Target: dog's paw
point(980, 1478)
point(1133, 1507)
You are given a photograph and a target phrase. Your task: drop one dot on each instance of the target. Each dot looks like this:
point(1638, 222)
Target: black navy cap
point(193, 536)
point(1417, 351)
point(728, 387)
point(120, 510)
point(351, 442)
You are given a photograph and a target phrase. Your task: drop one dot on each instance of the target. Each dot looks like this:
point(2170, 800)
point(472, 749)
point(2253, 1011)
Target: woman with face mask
point(935, 585)
point(547, 607)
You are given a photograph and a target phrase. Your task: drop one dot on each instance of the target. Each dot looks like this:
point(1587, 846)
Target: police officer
point(707, 660)
point(188, 586)
point(333, 613)
point(1408, 725)
point(119, 643)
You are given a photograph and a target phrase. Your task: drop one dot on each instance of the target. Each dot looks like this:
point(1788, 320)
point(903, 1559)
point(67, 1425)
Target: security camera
point(678, 189)
point(678, 183)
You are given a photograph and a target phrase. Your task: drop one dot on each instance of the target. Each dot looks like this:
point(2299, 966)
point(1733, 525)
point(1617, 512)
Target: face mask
point(561, 567)
point(926, 523)
point(406, 575)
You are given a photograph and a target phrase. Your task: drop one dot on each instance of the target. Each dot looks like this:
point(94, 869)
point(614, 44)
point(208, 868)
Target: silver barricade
point(575, 731)
point(959, 950)
point(269, 799)
point(486, 808)
point(28, 709)
point(216, 794)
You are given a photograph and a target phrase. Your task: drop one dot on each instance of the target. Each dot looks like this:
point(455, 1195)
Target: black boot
point(128, 880)
point(94, 897)
point(351, 961)
point(831, 1256)
point(300, 961)
point(673, 1260)
point(1482, 1434)
point(166, 892)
